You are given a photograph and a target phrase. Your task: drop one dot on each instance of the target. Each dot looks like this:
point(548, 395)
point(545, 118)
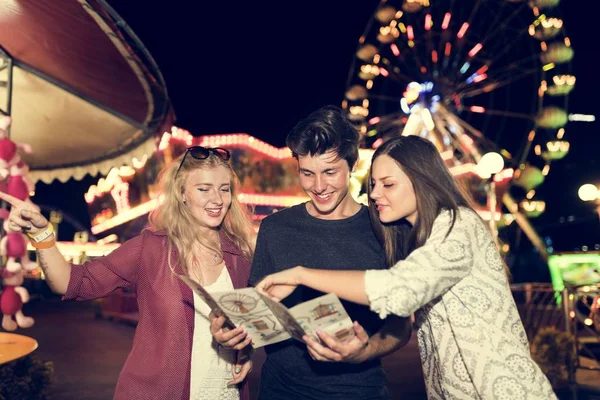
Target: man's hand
point(236, 339)
point(332, 350)
point(241, 368)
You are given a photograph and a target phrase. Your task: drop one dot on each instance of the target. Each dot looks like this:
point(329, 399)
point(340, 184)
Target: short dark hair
point(326, 129)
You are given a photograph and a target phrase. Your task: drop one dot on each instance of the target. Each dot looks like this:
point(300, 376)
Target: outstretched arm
point(348, 285)
point(94, 279)
point(427, 273)
point(25, 217)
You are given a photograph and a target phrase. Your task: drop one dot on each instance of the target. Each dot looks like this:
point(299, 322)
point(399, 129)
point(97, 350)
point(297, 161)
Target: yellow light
point(546, 170)
point(558, 145)
point(588, 192)
point(359, 110)
point(548, 66)
point(491, 163)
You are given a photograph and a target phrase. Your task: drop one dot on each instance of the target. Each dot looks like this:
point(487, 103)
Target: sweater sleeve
point(98, 277)
point(429, 271)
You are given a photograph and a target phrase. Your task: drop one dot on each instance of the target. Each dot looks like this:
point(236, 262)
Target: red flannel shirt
point(159, 364)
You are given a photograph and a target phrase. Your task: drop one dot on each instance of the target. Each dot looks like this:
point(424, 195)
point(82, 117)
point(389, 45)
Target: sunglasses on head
point(202, 153)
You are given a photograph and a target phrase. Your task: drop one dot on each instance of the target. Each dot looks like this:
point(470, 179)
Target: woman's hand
point(236, 339)
point(24, 216)
point(241, 368)
point(280, 285)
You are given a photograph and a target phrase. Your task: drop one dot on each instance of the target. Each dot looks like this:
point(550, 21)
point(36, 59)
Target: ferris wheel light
point(548, 66)
point(491, 163)
point(479, 78)
point(482, 70)
point(465, 67)
point(446, 21)
point(404, 105)
point(448, 49)
point(475, 49)
point(582, 117)
point(427, 119)
point(477, 109)
point(395, 49)
point(410, 33)
point(428, 22)
point(588, 192)
point(463, 30)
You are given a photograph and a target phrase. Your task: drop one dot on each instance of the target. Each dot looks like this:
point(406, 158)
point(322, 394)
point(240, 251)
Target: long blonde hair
point(174, 218)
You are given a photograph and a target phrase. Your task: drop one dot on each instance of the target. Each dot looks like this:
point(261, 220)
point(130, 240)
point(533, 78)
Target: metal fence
point(574, 310)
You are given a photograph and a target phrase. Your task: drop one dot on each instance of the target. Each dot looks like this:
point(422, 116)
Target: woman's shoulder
point(150, 237)
point(465, 216)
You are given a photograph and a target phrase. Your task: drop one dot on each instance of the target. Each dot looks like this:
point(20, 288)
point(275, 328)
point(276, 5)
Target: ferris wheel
point(472, 76)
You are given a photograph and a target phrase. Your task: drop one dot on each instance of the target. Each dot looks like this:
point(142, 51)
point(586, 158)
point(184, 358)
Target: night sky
point(259, 67)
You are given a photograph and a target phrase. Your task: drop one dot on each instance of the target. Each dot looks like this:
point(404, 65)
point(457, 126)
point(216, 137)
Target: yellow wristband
point(41, 235)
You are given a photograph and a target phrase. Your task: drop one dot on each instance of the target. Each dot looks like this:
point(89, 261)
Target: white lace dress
point(471, 339)
point(211, 364)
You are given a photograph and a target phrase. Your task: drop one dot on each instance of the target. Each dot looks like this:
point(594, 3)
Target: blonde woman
point(200, 230)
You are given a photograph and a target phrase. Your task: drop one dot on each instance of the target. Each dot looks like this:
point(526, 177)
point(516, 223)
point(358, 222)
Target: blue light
point(465, 67)
point(471, 78)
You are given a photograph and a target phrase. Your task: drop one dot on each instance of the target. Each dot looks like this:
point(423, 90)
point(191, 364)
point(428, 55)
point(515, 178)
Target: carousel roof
point(80, 87)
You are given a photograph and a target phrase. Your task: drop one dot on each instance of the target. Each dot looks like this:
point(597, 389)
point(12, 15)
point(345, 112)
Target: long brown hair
point(435, 190)
point(176, 220)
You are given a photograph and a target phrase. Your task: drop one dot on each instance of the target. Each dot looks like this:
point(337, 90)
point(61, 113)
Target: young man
point(330, 231)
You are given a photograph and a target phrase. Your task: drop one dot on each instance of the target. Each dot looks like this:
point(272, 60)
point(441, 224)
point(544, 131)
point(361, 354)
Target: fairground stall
point(79, 94)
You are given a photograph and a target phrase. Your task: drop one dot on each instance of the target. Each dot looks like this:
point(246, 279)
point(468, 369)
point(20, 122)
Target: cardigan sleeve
point(98, 277)
point(429, 271)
